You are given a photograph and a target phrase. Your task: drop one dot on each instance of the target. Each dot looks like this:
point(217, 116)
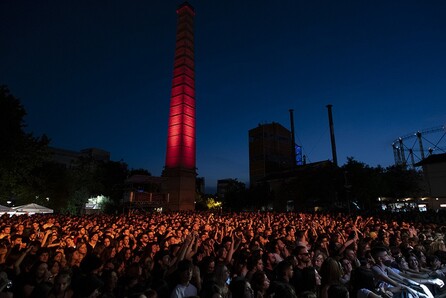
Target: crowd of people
point(205, 254)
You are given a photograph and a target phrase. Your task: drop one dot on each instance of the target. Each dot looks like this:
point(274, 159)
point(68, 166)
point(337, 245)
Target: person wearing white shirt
point(184, 288)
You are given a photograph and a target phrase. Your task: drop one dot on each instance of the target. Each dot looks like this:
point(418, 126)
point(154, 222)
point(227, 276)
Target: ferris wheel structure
point(412, 148)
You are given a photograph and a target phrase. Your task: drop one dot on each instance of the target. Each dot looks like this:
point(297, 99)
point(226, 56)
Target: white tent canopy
point(30, 209)
point(3, 209)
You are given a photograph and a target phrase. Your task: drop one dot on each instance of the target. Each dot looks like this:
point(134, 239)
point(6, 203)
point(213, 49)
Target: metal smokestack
point(293, 140)
point(332, 135)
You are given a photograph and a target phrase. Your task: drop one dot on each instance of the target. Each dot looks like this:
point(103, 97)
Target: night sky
point(98, 74)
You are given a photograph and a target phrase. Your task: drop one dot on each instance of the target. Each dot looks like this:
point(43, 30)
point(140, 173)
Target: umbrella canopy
point(3, 208)
point(31, 208)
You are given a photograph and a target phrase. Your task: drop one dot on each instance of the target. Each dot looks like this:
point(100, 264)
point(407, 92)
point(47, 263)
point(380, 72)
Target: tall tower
point(180, 169)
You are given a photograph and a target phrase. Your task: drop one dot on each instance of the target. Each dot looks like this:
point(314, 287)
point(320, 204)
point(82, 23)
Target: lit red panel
point(183, 89)
point(183, 80)
point(181, 130)
point(184, 60)
point(183, 70)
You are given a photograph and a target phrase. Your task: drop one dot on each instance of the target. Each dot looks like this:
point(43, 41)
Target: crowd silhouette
point(216, 254)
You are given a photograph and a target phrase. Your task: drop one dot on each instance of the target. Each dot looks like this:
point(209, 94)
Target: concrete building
point(269, 151)
point(434, 173)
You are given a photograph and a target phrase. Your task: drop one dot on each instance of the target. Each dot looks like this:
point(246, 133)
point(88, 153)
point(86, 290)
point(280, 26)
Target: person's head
point(310, 280)
point(127, 253)
point(62, 282)
point(222, 252)
point(6, 229)
point(43, 254)
point(331, 271)
point(162, 259)
point(82, 248)
point(207, 265)
point(151, 236)
point(412, 261)
point(109, 278)
point(39, 269)
point(269, 260)
point(402, 263)
point(421, 257)
point(350, 254)
point(433, 262)
point(221, 274)
point(54, 267)
point(380, 255)
point(284, 270)
point(154, 247)
point(94, 238)
point(260, 281)
point(240, 287)
point(69, 242)
point(107, 241)
point(185, 268)
point(437, 245)
point(20, 228)
point(302, 254)
point(337, 291)
point(255, 263)
point(58, 256)
point(144, 239)
point(318, 259)
point(346, 265)
point(16, 240)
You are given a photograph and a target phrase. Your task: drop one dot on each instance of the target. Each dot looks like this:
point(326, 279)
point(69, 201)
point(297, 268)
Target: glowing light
point(181, 127)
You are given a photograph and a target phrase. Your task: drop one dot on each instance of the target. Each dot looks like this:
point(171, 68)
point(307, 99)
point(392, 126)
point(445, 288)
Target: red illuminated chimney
point(180, 169)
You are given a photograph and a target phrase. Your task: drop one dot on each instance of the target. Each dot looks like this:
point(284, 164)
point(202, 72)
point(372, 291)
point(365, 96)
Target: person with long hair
point(331, 273)
point(318, 258)
point(61, 288)
point(241, 288)
point(218, 284)
point(260, 284)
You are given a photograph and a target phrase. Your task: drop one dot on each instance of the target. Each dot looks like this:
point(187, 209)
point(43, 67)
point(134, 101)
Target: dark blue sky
point(98, 74)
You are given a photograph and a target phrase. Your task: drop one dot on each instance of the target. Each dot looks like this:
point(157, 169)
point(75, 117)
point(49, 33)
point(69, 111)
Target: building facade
point(270, 151)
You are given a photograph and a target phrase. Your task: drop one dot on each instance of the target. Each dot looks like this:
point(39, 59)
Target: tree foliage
point(20, 152)
point(235, 197)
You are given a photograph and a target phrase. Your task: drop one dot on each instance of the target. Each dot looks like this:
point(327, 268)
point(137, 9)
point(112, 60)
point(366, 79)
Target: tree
point(53, 186)
point(401, 182)
point(112, 176)
point(362, 183)
point(235, 197)
point(20, 152)
point(139, 172)
point(365, 184)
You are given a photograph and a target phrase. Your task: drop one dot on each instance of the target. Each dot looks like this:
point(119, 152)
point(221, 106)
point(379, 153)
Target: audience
point(229, 255)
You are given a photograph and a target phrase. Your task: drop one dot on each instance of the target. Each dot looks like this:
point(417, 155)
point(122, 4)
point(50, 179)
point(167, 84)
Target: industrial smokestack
point(332, 135)
point(293, 140)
